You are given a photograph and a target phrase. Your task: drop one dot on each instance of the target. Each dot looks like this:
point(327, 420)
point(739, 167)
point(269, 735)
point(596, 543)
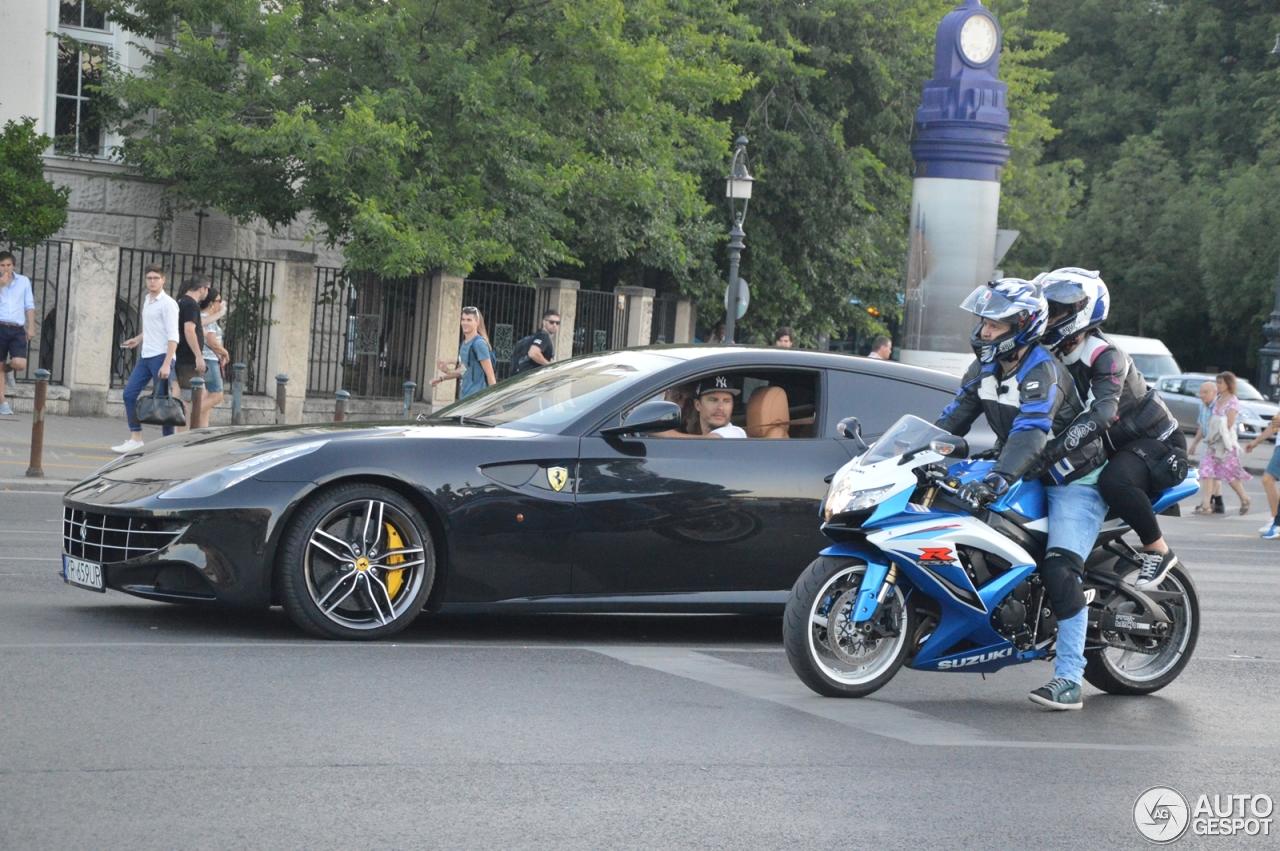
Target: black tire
point(1103, 668)
point(340, 579)
point(824, 585)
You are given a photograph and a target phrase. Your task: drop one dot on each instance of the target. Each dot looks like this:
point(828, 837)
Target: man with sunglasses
point(538, 349)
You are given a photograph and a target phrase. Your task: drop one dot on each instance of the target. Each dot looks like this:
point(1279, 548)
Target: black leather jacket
point(1118, 405)
point(1025, 410)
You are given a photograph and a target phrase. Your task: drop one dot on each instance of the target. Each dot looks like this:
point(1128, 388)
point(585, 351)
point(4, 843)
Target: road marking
point(868, 714)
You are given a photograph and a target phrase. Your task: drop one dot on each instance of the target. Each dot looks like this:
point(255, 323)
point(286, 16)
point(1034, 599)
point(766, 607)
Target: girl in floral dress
point(1222, 451)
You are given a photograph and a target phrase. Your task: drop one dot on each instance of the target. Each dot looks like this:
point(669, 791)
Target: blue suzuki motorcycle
point(918, 577)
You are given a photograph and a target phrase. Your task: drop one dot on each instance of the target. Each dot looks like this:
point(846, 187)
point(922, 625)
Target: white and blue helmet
point(1018, 303)
point(1078, 303)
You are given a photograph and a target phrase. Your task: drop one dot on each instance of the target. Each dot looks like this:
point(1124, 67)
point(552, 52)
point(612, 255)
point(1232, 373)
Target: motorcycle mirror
point(654, 415)
point(851, 429)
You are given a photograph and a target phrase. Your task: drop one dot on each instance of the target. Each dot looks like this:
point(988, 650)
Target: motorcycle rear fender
point(1188, 487)
point(877, 569)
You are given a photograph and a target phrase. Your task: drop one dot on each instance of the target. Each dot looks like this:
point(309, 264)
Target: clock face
point(978, 39)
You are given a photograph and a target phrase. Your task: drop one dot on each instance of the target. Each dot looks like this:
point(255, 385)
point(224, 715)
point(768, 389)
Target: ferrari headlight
point(842, 498)
point(219, 480)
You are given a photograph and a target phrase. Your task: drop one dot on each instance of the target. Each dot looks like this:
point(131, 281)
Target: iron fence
point(368, 334)
point(664, 320)
point(48, 266)
point(510, 314)
point(600, 323)
point(246, 286)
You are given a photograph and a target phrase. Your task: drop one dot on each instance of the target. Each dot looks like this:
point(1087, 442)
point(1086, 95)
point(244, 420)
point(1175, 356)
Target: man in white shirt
point(159, 341)
point(714, 404)
point(17, 323)
point(881, 348)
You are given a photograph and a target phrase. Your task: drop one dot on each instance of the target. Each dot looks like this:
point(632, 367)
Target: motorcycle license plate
point(83, 574)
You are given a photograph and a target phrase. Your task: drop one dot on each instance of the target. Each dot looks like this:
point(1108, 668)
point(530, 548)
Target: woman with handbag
point(1221, 462)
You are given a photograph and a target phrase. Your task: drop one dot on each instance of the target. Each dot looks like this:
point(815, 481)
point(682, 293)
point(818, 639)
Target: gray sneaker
point(5, 410)
point(1058, 694)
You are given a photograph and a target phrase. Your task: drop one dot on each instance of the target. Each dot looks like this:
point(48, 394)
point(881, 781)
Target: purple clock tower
point(959, 151)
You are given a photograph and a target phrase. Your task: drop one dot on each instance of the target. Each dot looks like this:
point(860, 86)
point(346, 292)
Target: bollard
point(340, 405)
point(281, 381)
point(237, 392)
point(36, 470)
point(409, 387)
point(197, 402)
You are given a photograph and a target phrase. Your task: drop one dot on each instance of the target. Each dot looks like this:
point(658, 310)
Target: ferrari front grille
point(109, 538)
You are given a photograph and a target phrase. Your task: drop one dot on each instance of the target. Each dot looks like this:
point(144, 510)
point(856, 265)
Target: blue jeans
point(1076, 512)
point(145, 372)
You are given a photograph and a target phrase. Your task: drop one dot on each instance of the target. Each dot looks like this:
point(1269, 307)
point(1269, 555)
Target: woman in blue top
point(475, 357)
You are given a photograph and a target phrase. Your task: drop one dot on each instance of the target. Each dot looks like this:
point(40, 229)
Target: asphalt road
point(134, 725)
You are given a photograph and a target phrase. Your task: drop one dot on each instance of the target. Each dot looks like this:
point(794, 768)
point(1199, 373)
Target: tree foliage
point(1172, 107)
point(442, 133)
point(32, 209)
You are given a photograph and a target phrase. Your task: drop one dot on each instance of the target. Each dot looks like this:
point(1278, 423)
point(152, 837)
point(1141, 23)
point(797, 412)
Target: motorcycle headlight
point(842, 498)
point(219, 480)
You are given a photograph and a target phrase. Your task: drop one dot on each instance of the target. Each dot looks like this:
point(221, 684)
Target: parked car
point(1152, 357)
point(542, 493)
point(1179, 392)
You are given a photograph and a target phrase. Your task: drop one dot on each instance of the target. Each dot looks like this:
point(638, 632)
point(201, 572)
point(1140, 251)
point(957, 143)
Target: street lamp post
point(737, 188)
point(1269, 354)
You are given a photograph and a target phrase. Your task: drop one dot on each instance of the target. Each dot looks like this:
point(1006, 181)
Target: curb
point(37, 485)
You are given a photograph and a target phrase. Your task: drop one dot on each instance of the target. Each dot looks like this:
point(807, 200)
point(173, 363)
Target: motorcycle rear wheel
point(1119, 671)
point(826, 651)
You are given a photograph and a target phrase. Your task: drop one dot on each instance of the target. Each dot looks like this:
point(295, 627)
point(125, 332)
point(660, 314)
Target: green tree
point(1036, 197)
point(442, 133)
point(33, 209)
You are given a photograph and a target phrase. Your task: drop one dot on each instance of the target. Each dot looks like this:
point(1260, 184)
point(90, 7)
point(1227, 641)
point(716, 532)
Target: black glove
point(979, 493)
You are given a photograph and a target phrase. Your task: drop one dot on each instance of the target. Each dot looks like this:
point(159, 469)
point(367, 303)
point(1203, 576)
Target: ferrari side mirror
point(654, 415)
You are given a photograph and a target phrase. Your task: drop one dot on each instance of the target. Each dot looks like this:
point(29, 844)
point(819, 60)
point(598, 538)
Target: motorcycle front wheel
point(832, 655)
point(1149, 668)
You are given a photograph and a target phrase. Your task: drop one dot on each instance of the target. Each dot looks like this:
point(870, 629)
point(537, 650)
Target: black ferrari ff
point(565, 489)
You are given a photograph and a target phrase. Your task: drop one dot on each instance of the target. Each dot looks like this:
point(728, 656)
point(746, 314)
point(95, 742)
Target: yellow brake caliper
point(394, 577)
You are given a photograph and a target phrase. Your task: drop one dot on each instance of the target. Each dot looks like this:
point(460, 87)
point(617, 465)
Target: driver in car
point(713, 400)
point(1027, 396)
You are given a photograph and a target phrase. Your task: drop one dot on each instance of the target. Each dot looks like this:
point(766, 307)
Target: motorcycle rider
point(1027, 396)
point(1147, 450)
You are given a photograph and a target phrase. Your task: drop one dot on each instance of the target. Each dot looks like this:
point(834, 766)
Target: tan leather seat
point(768, 414)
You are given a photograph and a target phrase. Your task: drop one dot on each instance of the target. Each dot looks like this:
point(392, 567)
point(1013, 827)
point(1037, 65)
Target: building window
point(78, 122)
point(81, 13)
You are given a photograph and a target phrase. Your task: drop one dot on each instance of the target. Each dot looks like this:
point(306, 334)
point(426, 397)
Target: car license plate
point(85, 574)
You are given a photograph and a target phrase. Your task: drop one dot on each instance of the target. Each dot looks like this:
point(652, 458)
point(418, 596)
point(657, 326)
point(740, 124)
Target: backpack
point(521, 353)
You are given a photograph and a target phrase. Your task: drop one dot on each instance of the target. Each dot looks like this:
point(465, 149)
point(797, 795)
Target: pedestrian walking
point(538, 349)
point(190, 354)
point(159, 341)
point(17, 323)
point(1221, 462)
point(783, 338)
point(1270, 529)
point(474, 364)
point(881, 348)
point(215, 356)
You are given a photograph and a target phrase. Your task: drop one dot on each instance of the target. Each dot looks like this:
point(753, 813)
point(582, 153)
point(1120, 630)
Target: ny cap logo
point(722, 383)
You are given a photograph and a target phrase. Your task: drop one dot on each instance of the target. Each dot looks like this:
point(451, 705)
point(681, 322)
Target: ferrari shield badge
point(557, 477)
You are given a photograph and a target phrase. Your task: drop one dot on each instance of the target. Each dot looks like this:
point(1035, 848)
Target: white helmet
point(1078, 303)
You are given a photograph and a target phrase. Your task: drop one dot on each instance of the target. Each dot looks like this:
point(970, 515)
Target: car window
point(768, 403)
point(547, 398)
point(878, 401)
point(1170, 385)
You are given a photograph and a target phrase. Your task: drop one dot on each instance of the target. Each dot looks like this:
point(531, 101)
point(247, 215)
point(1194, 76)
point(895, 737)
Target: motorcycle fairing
point(1187, 487)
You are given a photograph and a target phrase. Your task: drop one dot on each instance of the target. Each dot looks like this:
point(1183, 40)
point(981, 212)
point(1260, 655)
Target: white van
point(1152, 357)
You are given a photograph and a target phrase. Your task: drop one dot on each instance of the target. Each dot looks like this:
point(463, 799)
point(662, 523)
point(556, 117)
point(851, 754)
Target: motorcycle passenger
point(1027, 396)
point(1147, 450)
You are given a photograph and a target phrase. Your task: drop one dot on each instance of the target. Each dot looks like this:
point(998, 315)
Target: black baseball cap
point(714, 384)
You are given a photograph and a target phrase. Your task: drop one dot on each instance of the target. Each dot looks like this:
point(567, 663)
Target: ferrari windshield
point(547, 398)
point(907, 434)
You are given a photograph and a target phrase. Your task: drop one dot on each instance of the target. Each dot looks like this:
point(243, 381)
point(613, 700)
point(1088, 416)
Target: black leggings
point(1125, 484)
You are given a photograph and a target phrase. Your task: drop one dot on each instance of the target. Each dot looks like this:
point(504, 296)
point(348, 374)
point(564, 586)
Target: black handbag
point(160, 410)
